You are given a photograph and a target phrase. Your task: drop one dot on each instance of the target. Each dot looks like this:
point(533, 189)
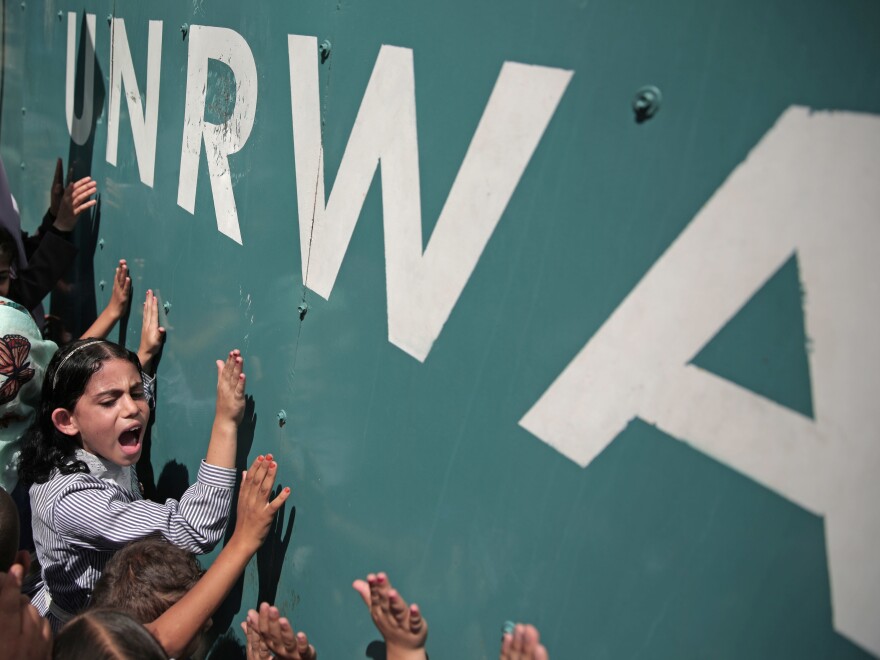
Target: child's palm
point(401, 625)
point(230, 388)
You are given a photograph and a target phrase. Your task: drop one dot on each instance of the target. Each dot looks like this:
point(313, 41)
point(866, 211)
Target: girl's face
point(111, 415)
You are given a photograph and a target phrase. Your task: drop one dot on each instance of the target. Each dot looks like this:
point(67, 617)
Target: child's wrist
point(395, 652)
point(243, 545)
point(223, 422)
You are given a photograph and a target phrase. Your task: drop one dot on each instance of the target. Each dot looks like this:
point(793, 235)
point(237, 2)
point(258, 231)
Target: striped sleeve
point(94, 514)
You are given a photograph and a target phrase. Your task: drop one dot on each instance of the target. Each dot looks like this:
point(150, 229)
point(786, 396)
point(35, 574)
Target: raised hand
point(270, 633)
point(152, 334)
point(74, 201)
point(524, 643)
point(230, 388)
point(121, 294)
point(255, 512)
point(402, 625)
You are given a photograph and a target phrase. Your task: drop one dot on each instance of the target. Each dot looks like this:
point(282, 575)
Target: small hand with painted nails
point(255, 511)
point(152, 334)
point(270, 634)
point(230, 388)
point(402, 625)
point(74, 201)
point(524, 643)
point(121, 294)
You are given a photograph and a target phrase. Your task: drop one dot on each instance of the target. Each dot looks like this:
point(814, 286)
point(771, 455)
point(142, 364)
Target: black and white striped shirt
point(81, 519)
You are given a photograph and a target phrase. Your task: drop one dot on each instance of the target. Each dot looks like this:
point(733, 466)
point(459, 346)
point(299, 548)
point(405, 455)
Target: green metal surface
point(420, 468)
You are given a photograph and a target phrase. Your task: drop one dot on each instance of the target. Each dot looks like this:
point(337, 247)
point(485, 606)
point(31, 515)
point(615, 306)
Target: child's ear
point(64, 422)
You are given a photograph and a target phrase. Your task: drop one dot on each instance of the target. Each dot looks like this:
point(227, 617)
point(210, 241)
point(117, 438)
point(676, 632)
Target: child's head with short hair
point(105, 635)
point(9, 531)
point(93, 399)
point(145, 578)
point(8, 259)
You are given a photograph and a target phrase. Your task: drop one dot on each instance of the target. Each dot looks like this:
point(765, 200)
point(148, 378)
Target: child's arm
point(152, 334)
point(229, 412)
point(267, 631)
point(179, 625)
point(402, 626)
point(115, 309)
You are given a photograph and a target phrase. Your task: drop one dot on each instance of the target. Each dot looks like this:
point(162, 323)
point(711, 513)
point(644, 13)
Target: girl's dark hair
point(44, 448)
point(105, 635)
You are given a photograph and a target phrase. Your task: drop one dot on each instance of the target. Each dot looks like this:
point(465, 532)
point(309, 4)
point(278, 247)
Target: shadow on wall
point(73, 299)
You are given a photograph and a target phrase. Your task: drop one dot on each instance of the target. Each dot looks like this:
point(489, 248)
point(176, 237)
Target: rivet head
point(184, 30)
point(324, 49)
point(102, 284)
point(303, 309)
point(167, 307)
point(646, 103)
point(282, 418)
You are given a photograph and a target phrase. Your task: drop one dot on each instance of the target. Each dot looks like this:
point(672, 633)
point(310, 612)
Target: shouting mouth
point(130, 440)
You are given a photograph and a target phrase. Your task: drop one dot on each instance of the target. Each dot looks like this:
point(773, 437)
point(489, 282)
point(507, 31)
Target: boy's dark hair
point(9, 529)
point(105, 635)
point(44, 448)
point(145, 578)
point(8, 248)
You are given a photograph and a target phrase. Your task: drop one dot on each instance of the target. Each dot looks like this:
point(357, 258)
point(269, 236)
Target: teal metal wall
point(422, 468)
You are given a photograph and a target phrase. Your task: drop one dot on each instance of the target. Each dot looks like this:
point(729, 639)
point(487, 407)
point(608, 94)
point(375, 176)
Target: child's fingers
point(373, 581)
point(274, 636)
point(506, 644)
point(306, 650)
point(382, 588)
point(363, 589)
point(258, 467)
point(268, 481)
point(264, 620)
point(396, 606)
point(286, 636)
point(279, 501)
point(415, 619)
